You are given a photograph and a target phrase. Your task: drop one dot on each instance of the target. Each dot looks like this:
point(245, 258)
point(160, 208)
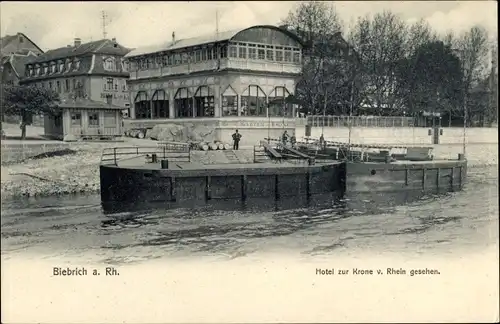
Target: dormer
point(61, 66)
point(109, 64)
point(53, 67)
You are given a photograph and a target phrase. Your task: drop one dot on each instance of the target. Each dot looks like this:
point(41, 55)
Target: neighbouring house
point(94, 72)
point(82, 118)
point(15, 52)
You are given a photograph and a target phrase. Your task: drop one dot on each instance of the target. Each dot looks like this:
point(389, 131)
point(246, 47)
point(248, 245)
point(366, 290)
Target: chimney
point(173, 37)
point(78, 42)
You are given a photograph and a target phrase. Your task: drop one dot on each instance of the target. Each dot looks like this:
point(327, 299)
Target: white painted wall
point(401, 135)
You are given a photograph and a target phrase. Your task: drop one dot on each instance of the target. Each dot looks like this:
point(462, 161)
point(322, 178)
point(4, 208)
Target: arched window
point(183, 103)
point(45, 68)
point(38, 69)
point(204, 102)
point(277, 105)
point(142, 106)
point(253, 102)
point(110, 64)
point(160, 104)
point(229, 102)
point(61, 66)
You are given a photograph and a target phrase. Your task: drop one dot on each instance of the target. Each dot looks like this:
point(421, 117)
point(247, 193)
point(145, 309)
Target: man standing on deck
point(284, 138)
point(236, 140)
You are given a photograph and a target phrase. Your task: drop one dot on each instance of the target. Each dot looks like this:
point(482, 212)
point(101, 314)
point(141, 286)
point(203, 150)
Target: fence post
point(164, 153)
point(114, 154)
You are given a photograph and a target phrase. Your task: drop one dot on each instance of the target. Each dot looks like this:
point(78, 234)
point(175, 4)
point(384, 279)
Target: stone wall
point(12, 153)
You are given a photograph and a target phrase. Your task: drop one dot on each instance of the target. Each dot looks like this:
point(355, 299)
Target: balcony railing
point(172, 151)
point(240, 64)
point(358, 121)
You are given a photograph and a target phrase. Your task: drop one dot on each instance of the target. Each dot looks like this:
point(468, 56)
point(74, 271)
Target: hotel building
point(233, 79)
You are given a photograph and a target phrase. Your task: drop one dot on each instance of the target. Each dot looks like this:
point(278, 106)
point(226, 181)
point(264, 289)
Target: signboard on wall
point(117, 96)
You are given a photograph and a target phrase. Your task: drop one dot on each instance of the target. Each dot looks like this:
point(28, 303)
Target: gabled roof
point(201, 40)
point(18, 63)
point(4, 41)
point(100, 46)
point(86, 104)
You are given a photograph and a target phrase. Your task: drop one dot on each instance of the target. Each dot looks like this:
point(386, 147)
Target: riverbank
point(78, 172)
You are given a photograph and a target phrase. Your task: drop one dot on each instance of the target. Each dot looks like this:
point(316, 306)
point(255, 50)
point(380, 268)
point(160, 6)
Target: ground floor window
point(229, 105)
point(277, 104)
point(93, 119)
point(183, 103)
point(160, 105)
point(76, 119)
point(204, 102)
point(253, 102)
point(142, 106)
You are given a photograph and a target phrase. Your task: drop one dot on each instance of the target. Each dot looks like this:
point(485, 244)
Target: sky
point(136, 24)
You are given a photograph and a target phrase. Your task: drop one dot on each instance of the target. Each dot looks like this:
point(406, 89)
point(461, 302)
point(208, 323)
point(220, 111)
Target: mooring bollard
point(164, 164)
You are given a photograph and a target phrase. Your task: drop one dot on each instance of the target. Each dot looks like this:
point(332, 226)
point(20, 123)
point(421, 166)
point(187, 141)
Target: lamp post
point(465, 98)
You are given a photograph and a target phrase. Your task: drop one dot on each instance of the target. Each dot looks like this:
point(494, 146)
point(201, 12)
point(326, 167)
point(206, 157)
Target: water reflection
point(322, 225)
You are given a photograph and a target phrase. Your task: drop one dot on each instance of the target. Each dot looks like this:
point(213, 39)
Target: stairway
point(231, 156)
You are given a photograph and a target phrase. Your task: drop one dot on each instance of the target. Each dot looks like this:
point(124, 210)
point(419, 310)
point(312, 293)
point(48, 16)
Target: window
point(252, 53)
point(53, 68)
point(110, 82)
point(58, 84)
point(203, 54)
point(183, 103)
point(93, 120)
point(204, 102)
point(177, 59)
point(124, 87)
point(288, 56)
point(269, 55)
point(45, 69)
point(109, 119)
point(77, 65)
point(198, 56)
point(253, 102)
point(210, 54)
point(160, 104)
point(164, 60)
point(74, 84)
point(69, 65)
point(185, 58)
point(296, 57)
point(38, 69)
point(61, 67)
point(170, 60)
point(242, 51)
point(76, 119)
point(279, 54)
point(109, 64)
point(233, 51)
point(21, 39)
point(229, 106)
point(50, 85)
point(223, 52)
point(142, 106)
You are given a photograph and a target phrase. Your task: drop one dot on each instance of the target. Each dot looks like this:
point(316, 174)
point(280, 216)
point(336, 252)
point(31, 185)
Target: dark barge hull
point(144, 185)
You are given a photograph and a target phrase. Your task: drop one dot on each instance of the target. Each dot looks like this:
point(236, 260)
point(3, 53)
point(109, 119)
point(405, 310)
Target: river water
point(77, 227)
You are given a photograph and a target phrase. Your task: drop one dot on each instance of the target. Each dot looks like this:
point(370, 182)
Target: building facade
point(242, 73)
point(94, 73)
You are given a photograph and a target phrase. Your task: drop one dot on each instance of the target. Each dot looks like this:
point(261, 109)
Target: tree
point(325, 70)
point(433, 78)
point(381, 45)
point(26, 101)
point(472, 48)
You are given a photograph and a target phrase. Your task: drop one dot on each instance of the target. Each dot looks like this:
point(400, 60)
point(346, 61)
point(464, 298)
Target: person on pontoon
point(236, 140)
point(284, 138)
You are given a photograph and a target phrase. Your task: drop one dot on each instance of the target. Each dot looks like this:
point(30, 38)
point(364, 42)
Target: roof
point(4, 41)
point(19, 62)
point(72, 51)
point(86, 104)
point(201, 40)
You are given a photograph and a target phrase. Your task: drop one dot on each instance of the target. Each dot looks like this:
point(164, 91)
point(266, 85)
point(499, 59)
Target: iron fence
point(359, 121)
